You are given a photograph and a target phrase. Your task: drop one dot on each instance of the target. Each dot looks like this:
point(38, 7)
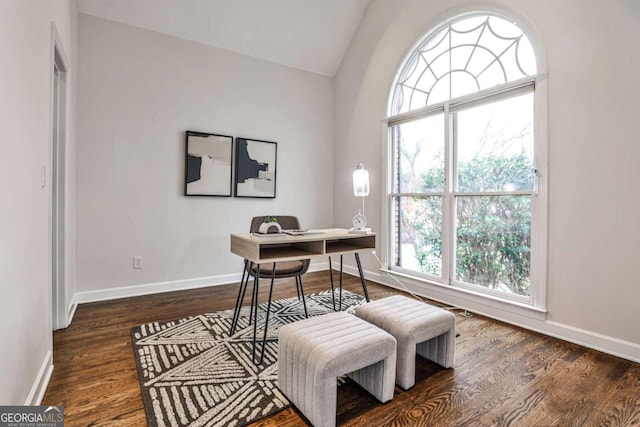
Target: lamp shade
point(360, 181)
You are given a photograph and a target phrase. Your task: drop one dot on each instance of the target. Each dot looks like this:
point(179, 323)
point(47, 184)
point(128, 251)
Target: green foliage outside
point(493, 233)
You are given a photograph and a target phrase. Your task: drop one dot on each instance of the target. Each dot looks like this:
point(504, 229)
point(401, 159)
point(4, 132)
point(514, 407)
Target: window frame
point(536, 84)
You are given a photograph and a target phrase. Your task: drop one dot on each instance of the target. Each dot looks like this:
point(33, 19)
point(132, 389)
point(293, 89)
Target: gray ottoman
point(418, 327)
point(314, 352)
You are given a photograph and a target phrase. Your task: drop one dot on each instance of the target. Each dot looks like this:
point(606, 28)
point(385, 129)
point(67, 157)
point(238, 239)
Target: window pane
point(493, 242)
point(418, 234)
point(419, 156)
point(495, 146)
point(463, 83)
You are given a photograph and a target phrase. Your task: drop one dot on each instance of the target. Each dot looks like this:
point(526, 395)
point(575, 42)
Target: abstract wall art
point(255, 168)
point(208, 161)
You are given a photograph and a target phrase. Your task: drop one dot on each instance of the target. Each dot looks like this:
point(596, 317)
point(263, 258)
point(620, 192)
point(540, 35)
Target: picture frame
point(256, 167)
point(208, 164)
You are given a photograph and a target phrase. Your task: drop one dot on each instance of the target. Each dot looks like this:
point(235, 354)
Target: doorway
point(58, 187)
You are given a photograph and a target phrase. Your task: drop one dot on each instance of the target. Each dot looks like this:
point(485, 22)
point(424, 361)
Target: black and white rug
point(192, 373)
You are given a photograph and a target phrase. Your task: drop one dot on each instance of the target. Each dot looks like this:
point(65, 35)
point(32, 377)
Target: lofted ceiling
point(311, 35)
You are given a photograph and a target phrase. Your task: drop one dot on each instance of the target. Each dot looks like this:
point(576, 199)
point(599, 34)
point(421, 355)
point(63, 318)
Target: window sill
point(488, 305)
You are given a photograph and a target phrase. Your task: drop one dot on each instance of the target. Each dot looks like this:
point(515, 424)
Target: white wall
point(592, 55)
point(138, 93)
point(25, 234)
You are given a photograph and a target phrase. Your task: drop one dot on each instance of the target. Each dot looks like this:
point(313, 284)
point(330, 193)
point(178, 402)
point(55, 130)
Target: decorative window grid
point(461, 57)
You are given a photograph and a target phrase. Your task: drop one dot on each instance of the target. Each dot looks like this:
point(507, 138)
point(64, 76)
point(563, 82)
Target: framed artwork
point(208, 160)
point(255, 168)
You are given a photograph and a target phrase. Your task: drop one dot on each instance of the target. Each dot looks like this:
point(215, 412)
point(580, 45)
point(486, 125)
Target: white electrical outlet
point(137, 262)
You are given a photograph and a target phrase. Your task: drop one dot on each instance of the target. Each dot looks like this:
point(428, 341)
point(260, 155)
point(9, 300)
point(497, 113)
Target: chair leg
point(333, 295)
point(297, 288)
point(301, 290)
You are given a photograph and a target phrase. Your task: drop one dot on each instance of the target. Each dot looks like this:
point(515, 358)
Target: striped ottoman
point(314, 352)
point(418, 327)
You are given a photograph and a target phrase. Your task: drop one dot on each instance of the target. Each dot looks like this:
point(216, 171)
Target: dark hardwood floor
point(503, 375)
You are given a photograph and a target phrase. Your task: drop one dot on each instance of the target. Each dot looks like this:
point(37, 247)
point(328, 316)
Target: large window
point(462, 203)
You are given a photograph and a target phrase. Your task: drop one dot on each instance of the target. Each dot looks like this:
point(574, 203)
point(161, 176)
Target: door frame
point(59, 178)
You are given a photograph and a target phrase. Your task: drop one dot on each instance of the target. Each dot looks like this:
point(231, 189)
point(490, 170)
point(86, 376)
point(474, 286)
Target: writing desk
point(273, 249)
point(267, 249)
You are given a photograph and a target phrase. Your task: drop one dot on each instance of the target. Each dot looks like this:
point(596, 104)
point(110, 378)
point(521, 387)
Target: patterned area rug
point(192, 373)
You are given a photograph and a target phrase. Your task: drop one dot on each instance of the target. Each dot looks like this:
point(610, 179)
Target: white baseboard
point(528, 318)
point(152, 288)
point(170, 286)
point(604, 343)
point(39, 386)
point(72, 311)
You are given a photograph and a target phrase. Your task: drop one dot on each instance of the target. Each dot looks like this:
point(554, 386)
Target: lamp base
point(360, 231)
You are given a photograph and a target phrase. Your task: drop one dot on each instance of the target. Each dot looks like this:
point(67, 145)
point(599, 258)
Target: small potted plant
point(270, 225)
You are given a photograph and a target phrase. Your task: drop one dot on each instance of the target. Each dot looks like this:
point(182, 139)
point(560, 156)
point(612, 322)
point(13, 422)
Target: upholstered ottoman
point(314, 352)
point(418, 327)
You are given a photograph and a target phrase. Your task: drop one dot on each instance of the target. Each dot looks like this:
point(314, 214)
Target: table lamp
point(360, 189)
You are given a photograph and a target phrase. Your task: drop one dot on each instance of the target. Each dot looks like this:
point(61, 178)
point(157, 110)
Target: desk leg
point(241, 292)
point(266, 321)
point(253, 291)
point(340, 306)
point(364, 284)
point(301, 290)
point(254, 307)
point(333, 296)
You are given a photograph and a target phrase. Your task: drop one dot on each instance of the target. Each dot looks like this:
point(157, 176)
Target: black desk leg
point(333, 296)
point(253, 292)
point(340, 307)
point(301, 289)
point(364, 283)
point(266, 321)
point(254, 308)
point(241, 291)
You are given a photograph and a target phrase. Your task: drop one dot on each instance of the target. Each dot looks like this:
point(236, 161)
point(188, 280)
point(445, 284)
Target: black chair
point(271, 271)
point(283, 269)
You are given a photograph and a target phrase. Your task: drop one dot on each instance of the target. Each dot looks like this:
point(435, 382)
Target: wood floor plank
point(621, 407)
point(586, 379)
point(503, 375)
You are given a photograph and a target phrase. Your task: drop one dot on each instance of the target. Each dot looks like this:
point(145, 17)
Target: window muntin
point(418, 190)
point(463, 171)
point(462, 57)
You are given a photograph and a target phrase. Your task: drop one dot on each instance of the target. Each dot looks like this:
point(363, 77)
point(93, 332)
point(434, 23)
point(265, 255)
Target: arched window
point(462, 57)
point(463, 206)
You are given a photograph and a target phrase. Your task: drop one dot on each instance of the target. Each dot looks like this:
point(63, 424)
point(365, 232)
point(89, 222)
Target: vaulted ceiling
point(312, 35)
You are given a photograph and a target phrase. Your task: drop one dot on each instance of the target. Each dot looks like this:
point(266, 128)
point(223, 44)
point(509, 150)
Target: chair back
point(282, 269)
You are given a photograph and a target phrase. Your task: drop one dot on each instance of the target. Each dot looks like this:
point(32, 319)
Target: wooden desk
point(265, 249)
point(268, 249)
